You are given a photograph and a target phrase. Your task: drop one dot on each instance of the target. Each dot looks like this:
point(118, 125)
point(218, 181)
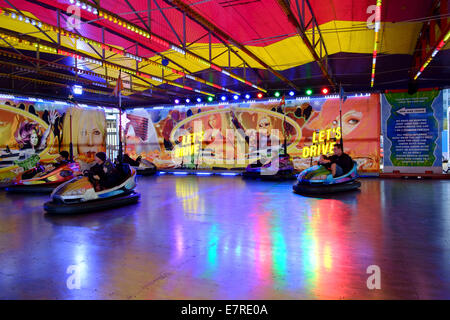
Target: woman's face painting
point(34, 139)
point(90, 138)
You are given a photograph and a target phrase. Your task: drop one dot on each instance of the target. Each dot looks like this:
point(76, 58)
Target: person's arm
point(95, 171)
point(235, 121)
point(350, 162)
point(44, 138)
point(324, 159)
point(240, 128)
point(52, 118)
point(109, 169)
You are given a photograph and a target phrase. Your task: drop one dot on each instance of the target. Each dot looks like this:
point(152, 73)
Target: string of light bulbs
point(48, 27)
point(111, 17)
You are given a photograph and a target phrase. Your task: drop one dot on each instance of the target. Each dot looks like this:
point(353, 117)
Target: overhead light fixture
point(77, 89)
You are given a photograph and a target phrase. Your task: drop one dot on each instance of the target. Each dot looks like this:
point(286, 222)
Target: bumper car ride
point(145, 168)
point(78, 196)
point(318, 180)
point(41, 182)
point(279, 168)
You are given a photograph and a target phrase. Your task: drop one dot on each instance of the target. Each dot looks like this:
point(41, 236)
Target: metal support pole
point(149, 15)
point(137, 63)
point(37, 57)
point(120, 129)
point(210, 48)
point(71, 144)
point(184, 30)
point(58, 21)
point(104, 55)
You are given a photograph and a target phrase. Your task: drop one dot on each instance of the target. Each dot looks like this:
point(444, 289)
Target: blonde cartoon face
point(265, 125)
point(90, 137)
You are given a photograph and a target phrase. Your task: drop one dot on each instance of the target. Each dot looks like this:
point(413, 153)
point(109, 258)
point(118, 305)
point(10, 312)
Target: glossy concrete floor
point(225, 238)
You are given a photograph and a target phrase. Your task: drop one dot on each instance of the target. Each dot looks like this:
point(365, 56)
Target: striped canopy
point(171, 49)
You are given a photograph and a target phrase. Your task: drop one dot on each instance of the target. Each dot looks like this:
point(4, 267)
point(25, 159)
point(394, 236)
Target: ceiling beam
point(432, 38)
point(221, 34)
point(285, 6)
point(147, 36)
point(100, 24)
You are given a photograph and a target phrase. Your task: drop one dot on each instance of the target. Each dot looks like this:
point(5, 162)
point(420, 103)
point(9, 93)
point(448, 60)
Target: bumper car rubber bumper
point(53, 207)
point(280, 175)
point(36, 188)
point(301, 188)
point(146, 171)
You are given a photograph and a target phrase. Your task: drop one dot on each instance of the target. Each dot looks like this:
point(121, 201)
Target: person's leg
point(333, 169)
point(338, 171)
point(97, 185)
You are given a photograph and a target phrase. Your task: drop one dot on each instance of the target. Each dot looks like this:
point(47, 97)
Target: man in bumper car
point(339, 164)
point(104, 173)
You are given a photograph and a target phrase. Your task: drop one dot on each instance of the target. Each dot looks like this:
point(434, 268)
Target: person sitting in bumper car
point(104, 173)
point(339, 164)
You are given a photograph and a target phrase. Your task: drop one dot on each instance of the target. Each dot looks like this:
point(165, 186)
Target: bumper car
point(79, 196)
point(143, 167)
point(318, 180)
point(8, 157)
point(279, 168)
point(38, 181)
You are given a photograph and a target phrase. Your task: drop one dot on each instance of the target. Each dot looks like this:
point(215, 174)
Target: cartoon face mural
point(360, 127)
point(90, 137)
point(233, 136)
point(25, 138)
point(88, 132)
point(32, 133)
point(225, 127)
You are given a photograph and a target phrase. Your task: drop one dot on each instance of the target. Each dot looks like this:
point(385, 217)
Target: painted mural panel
point(234, 135)
point(35, 131)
